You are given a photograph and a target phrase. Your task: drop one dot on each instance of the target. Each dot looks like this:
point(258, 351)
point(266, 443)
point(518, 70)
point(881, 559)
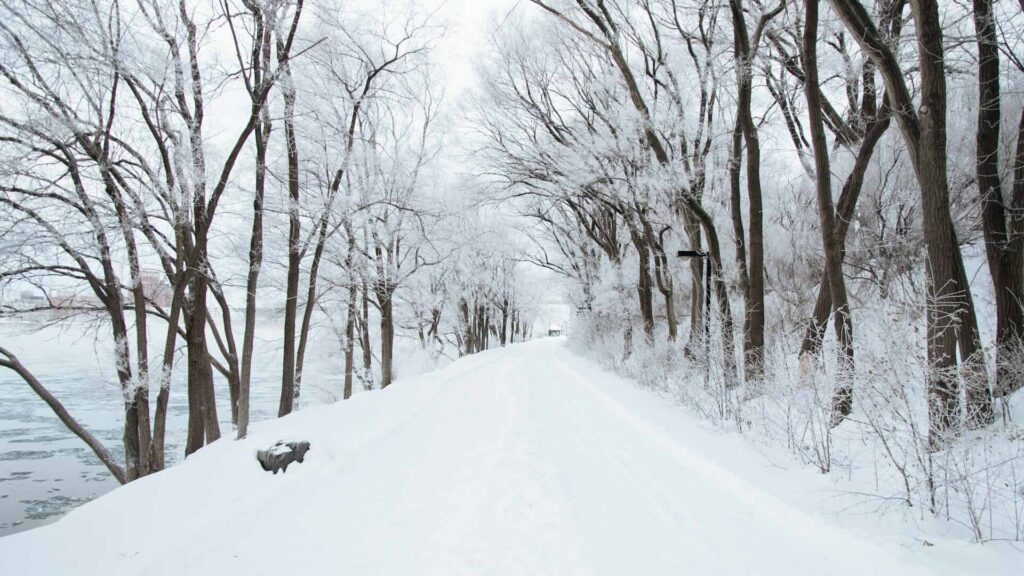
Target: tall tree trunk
point(467, 328)
point(481, 327)
point(350, 334)
point(736, 206)
point(387, 339)
point(350, 313)
point(200, 373)
point(1010, 381)
point(503, 337)
point(288, 384)
point(644, 286)
point(842, 399)
point(122, 357)
point(364, 338)
point(753, 324)
point(950, 302)
point(140, 399)
point(132, 448)
point(157, 456)
point(307, 312)
point(695, 341)
point(1002, 247)
point(262, 130)
point(252, 280)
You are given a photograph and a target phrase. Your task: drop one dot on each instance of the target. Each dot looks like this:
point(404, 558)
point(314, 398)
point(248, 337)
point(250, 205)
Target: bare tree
point(842, 402)
point(952, 321)
point(745, 47)
point(1004, 232)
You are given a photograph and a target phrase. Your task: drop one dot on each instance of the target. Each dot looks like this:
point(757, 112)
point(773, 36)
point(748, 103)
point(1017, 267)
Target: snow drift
point(524, 460)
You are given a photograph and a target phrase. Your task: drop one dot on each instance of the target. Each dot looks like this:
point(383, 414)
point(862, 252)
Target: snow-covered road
point(526, 460)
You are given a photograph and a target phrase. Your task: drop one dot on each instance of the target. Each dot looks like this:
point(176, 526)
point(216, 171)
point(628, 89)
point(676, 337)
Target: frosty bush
point(976, 482)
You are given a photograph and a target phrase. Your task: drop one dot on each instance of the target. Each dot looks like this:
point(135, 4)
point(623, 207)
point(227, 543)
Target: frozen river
point(45, 470)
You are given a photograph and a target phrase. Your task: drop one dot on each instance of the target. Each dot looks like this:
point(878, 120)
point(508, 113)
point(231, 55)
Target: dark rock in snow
point(280, 455)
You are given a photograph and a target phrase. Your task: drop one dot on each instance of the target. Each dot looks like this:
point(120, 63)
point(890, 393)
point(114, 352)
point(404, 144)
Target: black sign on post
point(707, 292)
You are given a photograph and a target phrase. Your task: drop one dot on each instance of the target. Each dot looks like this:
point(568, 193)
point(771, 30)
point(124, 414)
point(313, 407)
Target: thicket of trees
point(142, 140)
point(820, 158)
point(642, 128)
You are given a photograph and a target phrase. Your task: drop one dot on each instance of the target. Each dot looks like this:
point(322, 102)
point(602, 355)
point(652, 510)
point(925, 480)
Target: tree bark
point(842, 398)
point(202, 415)
point(157, 454)
point(364, 338)
point(736, 206)
point(846, 210)
point(387, 341)
point(262, 136)
point(662, 277)
point(695, 341)
point(753, 325)
point(1003, 247)
point(503, 335)
point(644, 287)
point(288, 391)
point(307, 312)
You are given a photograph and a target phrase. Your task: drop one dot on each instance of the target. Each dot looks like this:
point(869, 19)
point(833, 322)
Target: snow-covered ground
point(45, 470)
point(524, 460)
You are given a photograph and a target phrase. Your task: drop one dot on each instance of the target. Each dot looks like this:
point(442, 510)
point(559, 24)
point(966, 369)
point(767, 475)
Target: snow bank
point(525, 460)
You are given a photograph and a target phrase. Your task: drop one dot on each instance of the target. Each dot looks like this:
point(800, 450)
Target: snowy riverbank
point(45, 470)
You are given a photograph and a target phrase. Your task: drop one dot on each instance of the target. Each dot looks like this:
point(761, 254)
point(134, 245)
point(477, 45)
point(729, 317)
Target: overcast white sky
point(471, 24)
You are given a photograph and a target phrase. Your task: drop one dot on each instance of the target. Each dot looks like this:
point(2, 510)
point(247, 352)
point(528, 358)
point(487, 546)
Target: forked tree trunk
point(846, 211)
point(662, 278)
point(753, 324)
point(200, 374)
point(949, 306)
point(644, 286)
point(842, 399)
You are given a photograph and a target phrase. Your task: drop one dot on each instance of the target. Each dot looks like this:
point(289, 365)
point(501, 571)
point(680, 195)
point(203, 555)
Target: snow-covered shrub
point(880, 452)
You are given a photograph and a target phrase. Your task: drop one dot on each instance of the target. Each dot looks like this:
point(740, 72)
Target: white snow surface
point(524, 460)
